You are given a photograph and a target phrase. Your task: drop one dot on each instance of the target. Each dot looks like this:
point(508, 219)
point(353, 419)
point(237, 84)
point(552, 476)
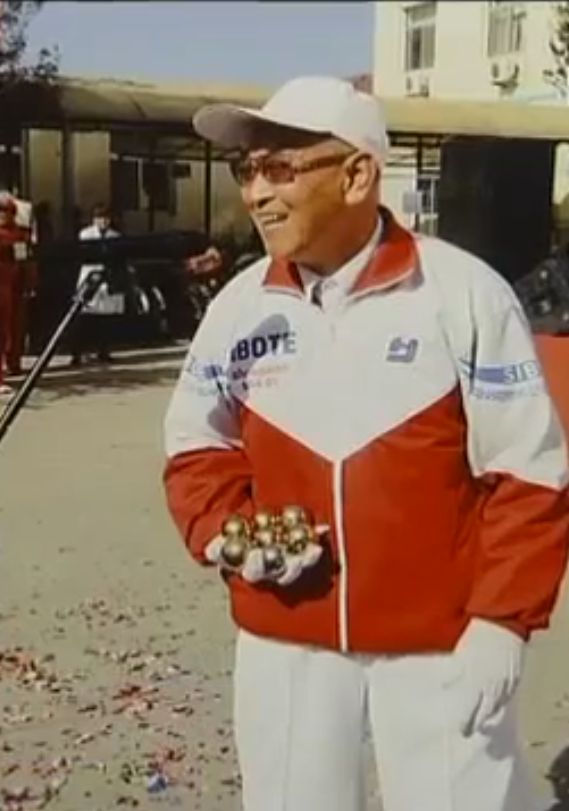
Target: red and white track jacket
point(415, 422)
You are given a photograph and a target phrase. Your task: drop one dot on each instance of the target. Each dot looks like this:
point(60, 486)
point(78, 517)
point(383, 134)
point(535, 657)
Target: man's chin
point(281, 250)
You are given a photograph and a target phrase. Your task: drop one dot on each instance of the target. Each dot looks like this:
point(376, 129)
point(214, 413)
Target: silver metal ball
point(273, 559)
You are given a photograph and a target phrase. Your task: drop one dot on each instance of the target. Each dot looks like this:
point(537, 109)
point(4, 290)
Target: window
point(505, 27)
point(156, 181)
point(428, 189)
point(11, 164)
point(420, 36)
point(138, 182)
point(125, 184)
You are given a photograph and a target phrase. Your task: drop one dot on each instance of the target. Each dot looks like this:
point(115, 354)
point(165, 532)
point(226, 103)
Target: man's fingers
point(295, 564)
point(487, 705)
point(470, 717)
point(492, 705)
point(322, 529)
point(213, 549)
point(311, 554)
point(294, 567)
point(254, 567)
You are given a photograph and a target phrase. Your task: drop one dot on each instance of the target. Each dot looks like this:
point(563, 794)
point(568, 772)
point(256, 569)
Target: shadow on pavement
point(103, 380)
point(129, 371)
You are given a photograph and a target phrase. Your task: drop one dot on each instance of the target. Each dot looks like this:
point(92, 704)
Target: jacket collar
point(394, 259)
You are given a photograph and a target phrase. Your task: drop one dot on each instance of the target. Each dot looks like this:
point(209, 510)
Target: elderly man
point(388, 383)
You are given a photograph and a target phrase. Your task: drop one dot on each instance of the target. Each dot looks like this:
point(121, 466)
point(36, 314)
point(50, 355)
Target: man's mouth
point(271, 221)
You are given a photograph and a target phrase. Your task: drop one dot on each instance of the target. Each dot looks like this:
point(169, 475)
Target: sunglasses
point(278, 170)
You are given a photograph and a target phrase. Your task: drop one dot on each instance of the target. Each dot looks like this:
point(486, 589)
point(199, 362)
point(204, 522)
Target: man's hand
point(254, 569)
point(213, 550)
point(491, 661)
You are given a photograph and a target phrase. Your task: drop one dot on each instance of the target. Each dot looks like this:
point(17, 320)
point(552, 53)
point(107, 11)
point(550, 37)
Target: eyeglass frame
point(294, 167)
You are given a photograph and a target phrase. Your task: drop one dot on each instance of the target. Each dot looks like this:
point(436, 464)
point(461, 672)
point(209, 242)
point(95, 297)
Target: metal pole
point(419, 165)
point(25, 188)
point(207, 189)
point(151, 190)
point(84, 294)
point(67, 179)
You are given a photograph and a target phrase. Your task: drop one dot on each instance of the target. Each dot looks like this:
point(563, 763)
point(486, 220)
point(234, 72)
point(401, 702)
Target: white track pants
point(300, 720)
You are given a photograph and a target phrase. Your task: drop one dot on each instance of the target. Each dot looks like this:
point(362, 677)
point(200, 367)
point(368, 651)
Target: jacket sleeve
point(207, 475)
point(517, 449)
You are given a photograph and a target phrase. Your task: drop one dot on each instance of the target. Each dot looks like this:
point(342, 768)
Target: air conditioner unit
point(417, 86)
point(495, 70)
point(505, 74)
point(412, 202)
point(424, 87)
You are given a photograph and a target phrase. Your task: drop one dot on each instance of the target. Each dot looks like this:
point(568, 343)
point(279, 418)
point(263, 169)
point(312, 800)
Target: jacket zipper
point(342, 559)
point(337, 501)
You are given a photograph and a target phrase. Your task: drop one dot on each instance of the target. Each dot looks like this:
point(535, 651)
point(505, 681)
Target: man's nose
point(259, 191)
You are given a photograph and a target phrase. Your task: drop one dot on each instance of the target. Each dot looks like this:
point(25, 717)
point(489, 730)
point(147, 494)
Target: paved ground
point(115, 650)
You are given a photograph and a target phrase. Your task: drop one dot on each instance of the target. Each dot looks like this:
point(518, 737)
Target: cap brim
point(231, 127)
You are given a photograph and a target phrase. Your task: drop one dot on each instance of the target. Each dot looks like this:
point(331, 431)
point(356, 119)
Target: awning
point(92, 103)
point(493, 119)
point(146, 103)
point(106, 103)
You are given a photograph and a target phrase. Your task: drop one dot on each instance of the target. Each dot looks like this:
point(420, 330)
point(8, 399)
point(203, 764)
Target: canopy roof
point(105, 103)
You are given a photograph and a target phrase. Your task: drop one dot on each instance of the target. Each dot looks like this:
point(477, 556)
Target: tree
point(15, 16)
point(559, 47)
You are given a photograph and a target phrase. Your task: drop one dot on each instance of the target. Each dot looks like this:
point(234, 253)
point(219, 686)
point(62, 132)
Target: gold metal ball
point(292, 515)
point(298, 538)
point(235, 525)
point(234, 551)
point(263, 519)
point(264, 537)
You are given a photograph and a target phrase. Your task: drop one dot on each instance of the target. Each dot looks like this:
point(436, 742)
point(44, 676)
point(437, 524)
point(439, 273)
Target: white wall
point(462, 65)
point(462, 70)
point(44, 162)
point(91, 160)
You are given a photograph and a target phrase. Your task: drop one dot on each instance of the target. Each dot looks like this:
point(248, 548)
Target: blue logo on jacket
point(400, 350)
point(506, 382)
point(508, 375)
point(202, 371)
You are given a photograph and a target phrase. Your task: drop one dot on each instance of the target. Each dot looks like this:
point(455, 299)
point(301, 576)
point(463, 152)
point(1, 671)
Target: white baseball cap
point(319, 104)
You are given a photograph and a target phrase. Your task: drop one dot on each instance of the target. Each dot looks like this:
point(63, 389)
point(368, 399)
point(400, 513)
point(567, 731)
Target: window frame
point(506, 28)
point(417, 29)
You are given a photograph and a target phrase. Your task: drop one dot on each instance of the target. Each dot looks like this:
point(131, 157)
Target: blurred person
point(25, 286)
point(92, 329)
point(388, 383)
point(43, 223)
point(13, 240)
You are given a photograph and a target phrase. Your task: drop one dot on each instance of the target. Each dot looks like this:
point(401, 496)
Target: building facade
point(479, 51)
point(467, 50)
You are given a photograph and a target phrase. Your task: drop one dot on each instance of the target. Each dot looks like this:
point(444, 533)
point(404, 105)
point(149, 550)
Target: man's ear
point(361, 176)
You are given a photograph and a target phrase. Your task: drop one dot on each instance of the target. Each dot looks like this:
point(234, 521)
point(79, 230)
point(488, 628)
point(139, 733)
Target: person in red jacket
point(25, 286)
point(13, 253)
point(386, 382)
